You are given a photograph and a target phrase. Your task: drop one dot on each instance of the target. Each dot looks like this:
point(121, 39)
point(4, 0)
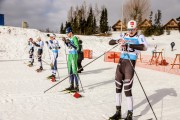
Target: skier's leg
point(31, 56)
point(119, 86)
point(55, 56)
point(128, 82)
point(40, 59)
point(76, 77)
point(71, 87)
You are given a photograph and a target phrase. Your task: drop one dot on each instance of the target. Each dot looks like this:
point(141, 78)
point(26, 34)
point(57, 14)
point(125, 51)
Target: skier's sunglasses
point(131, 30)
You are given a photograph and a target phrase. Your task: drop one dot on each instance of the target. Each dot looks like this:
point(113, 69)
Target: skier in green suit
point(73, 47)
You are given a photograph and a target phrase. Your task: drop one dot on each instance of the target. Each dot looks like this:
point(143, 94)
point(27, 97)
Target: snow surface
point(22, 89)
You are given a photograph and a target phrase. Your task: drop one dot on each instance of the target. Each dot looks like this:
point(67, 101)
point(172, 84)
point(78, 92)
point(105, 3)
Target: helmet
point(68, 30)
point(131, 24)
point(39, 39)
point(52, 35)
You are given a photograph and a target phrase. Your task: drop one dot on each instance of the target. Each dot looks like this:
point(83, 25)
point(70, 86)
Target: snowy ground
point(21, 88)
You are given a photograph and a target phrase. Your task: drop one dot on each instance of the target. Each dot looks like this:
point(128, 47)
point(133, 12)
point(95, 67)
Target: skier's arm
point(73, 45)
point(48, 45)
point(117, 40)
point(137, 46)
point(57, 45)
point(76, 44)
point(36, 44)
point(113, 42)
point(142, 43)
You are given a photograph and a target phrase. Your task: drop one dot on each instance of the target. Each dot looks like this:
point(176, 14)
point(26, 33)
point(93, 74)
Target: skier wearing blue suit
point(53, 45)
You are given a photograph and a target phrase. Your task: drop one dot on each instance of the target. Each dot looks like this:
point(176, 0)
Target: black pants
point(124, 76)
point(79, 64)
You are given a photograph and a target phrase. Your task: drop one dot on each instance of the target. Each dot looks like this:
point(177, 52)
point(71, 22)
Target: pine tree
point(102, 22)
point(105, 20)
point(62, 29)
point(150, 16)
point(94, 25)
point(90, 22)
point(178, 19)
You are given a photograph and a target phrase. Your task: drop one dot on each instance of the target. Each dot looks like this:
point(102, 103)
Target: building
point(117, 26)
point(2, 19)
point(24, 24)
point(144, 24)
point(171, 25)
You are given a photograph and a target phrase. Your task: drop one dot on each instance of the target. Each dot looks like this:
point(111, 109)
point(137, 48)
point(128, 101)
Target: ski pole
point(141, 85)
point(81, 84)
point(80, 69)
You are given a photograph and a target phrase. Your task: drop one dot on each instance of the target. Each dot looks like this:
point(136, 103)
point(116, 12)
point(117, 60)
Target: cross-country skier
point(40, 45)
point(80, 57)
point(131, 43)
point(53, 45)
point(31, 52)
point(73, 47)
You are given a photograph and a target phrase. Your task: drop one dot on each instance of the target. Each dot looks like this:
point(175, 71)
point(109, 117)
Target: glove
point(51, 41)
point(47, 42)
point(63, 39)
point(67, 41)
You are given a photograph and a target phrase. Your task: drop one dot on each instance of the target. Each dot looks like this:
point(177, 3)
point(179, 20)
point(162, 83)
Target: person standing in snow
point(172, 45)
point(31, 52)
point(80, 57)
point(131, 43)
point(53, 45)
point(73, 47)
point(40, 45)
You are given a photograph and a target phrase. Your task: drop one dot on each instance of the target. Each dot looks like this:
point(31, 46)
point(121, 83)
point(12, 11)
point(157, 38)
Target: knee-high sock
point(130, 103)
point(40, 63)
point(118, 99)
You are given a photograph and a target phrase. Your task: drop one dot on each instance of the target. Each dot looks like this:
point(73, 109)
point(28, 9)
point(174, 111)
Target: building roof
point(172, 24)
point(145, 23)
point(117, 25)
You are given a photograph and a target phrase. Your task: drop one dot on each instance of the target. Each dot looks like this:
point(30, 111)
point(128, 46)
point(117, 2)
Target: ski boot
point(76, 89)
point(50, 77)
point(40, 69)
point(117, 115)
point(53, 78)
point(70, 88)
point(30, 65)
point(129, 115)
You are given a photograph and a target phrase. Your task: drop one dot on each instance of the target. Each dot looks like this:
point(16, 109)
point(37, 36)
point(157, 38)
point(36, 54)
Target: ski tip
point(53, 79)
point(77, 95)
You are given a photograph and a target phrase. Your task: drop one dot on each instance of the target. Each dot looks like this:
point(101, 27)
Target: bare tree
point(84, 10)
point(136, 9)
point(70, 14)
point(97, 13)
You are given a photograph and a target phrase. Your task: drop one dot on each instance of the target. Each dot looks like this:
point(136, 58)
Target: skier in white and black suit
point(53, 45)
point(31, 52)
point(80, 57)
point(40, 45)
point(131, 44)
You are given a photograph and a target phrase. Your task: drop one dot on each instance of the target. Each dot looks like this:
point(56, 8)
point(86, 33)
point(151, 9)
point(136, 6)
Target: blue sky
point(42, 14)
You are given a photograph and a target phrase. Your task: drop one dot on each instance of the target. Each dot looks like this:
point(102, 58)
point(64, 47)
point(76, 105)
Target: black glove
point(67, 41)
point(63, 39)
